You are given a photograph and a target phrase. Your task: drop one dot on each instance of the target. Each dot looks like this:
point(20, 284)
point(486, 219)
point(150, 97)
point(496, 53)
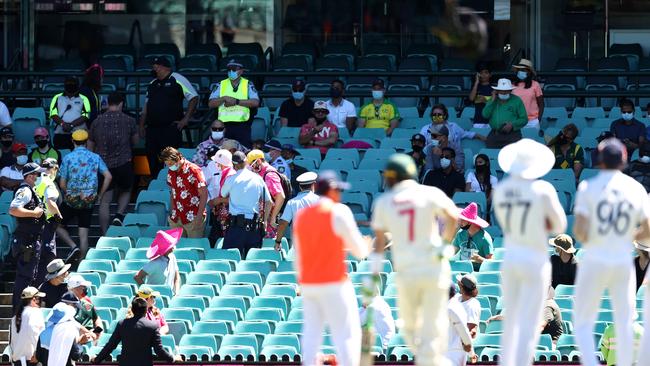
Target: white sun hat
point(526, 158)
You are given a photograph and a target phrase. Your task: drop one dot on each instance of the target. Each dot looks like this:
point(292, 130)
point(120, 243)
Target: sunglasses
point(217, 129)
point(319, 111)
point(438, 115)
point(435, 136)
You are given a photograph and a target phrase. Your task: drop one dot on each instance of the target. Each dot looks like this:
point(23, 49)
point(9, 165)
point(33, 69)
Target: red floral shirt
point(185, 184)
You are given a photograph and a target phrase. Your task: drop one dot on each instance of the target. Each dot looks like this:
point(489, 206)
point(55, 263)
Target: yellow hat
point(80, 135)
point(254, 155)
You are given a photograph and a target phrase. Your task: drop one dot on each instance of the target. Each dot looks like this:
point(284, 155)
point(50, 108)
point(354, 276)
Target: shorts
point(69, 213)
point(122, 177)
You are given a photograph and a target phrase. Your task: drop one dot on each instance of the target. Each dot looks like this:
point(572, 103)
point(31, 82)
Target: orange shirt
point(529, 98)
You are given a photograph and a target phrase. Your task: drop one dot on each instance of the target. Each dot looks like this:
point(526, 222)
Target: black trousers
point(239, 238)
point(48, 250)
point(497, 140)
point(240, 131)
point(27, 251)
point(62, 141)
point(157, 139)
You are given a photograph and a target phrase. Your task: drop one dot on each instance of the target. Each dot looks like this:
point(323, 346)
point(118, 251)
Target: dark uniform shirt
point(640, 172)
point(165, 99)
point(297, 115)
point(296, 170)
point(563, 273)
point(52, 293)
point(448, 183)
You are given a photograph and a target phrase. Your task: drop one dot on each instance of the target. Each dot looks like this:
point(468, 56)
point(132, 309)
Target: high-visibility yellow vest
point(45, 182)
point(236, 113)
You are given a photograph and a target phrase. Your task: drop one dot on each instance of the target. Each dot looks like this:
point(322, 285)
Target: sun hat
point(291, 148)
point(526, 158)
point(525, 64)
point(641, 246)
point(56, 268)
point(31, 168)
point(146, 292)
point(163, 242)
point(162, 61)
point(274, 145)
point(230, 144)
point(320, 105)
point(329, 179)
point(223, 157)
point(18, 146)
point(504, 85)
point(234, 63)
point(30, 293)
point(470, 214)
point(238, 157)
point(564, 243)
point(76, 280)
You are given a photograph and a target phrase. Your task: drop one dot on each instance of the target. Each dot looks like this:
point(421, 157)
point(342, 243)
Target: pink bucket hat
point(470, 214)
point(164, 241)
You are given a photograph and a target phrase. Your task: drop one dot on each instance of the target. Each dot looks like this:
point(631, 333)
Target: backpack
point(286, 186)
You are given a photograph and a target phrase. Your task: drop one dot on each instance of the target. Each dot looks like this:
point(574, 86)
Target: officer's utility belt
point(28, 235)
point(242, 222)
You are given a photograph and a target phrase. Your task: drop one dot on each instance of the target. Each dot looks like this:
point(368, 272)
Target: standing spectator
point(255, 159)
point(276, 160)
point(418, 142)
point(608, 343)
point(472, 242)
point(342, 113)
point(295, 111)
point(481, 179)
point(244, 190)
point(507, 116)
point(552, 323)
point(628, 129)
point(382, 318)
point(69, 111)
point(90, 88)
point(289, 153)
point(43, 149)
point(220, 216)
point(162, 268)
point(459, 341)
point(5, 117)
point(304, 198)
point(48, 193)
point(380, 112)
point(60, 342)
point(468, 286)
point(86, 314)
point(564, 263)
point(481, 93)
point(162, 119)
point(447, 178)
point(112, 136)
point(529, 91)
point(11, 176)
point(319, 132)
point(234, 98)
point(568, 154)
point(26, 245)
point(79, 184)
point(26, 325)
point(641, 263)
point(217, 138)
point(7, 141)
point(153, 313)
point(55, 286)
point(188, 193)
point(639, 169)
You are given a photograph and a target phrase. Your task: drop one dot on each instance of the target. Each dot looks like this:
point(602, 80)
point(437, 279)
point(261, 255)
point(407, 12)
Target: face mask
point(21, 159)
point(298, 95)
point(70, 88)
point(438, 119)
point(377, 94)
point(416, 148)
point(335, 93)
point(627, 116)
point(561, 140)
point(233, 75)
point(268, 157)
point(481, 168)
point(41, 143)
point(522, 75)
point(435, 142)
point(504, 96)
point(173, 168)
point(7, 143)
point(445, 163)
point(217, 135)
point(465, 227)
point(153, 73)
point(645, 159)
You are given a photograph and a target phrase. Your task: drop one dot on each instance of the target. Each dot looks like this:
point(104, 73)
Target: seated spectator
point(7, 141)
point(628, 129)
point(564, 262)
point(54, 286)
point(472, 242)
point(594, 152)
point(529, 91)
point(43, 149)
point(86, 314)
point(639, 169)
point(382, 318)
point(418, 141)
point(274, 148)
point(217, 133)
point(295, 111)
point(446, 177)
point(467, 297)
point(481, 93)
point(380, 112)
point(608, 342)
point(69, 111)
point(5, 117)
point(507, 116)
point(319, 132)
point(481, 179)
point(342, 113)
point(288, 154)
point(552, 323)
point(61, 341)
point(162, 268)
point(439, 116)
point(153, 313)
point(641, 262)
point(11, 176)
point(568, 154)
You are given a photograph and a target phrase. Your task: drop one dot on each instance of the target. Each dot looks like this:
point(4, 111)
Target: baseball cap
point(612, 152)
point(298, 84)
point(329, 179)
point(41, 131)
point(6, 131)
point(563, 242)
point(400, 166)
point(76, 280)
point(274, 144)
point(439, 129)
point(223, 157)
point(69, 298)
point(320, 105)
point(290, 147)
point(162, 61)
point(17, 146)
point(80, 135)
point(468, 281)
point(31, 168)
point(146, 292)
point(418, 137)
point(31, 292)
point(238, 157)
point(49, 163)
point(378, 82)
point(230, 144)
point(254, 155)
point(233, 63)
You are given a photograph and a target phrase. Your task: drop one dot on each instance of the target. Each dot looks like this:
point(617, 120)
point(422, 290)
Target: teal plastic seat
point(131, 265)
point(462, 266)
point(253, 327)
point(226, 314)
point(264, 267)
point(289, 327)
point(462, 199)
point(247, 290)
point(197, 289)
point(376, 134)
point(366, 266)
point(269, 254)
point(237, 353)
point(155, 202)
point(192, 254)
point(218, 327)
point(541, 356)
point(488, 277)
point(566, 344)
point(123, 244)
point(228, 301)
point(494, 327)
point(278, 353)
point(491, 266)
point(96, 265)
point(200, 243)
point(246, 277)
point(118, 290)
point(401, 353)
point(490, 354)
point(282, 277)
point(120, 278)
point(113, 302)
point(343, 154)
point(207, 277)
point(290, 340)
point(152, 230)
point(198, 352)
point(344, 166)
point(486, 340)
point(219, 265)
point(227, 254)
point(94, 278)
point(185, 266)
point(178, 328)
point(143, 242)
point(545, 342)
point(287, 290)
point(248, 340)
point(137, 253)
point(179, 314)
point(276, 302)
point(201, 340)
point(296, 314)
point(189, 301)
point(564, 290)
point(268, 314)
point(141, 220)
point(358, 202)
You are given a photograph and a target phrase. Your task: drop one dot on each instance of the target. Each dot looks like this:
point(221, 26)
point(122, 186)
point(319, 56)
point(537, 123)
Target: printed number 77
point(410, 212)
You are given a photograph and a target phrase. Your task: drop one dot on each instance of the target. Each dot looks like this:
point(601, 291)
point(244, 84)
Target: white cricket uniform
point(458, 334)
point(523, 208)
point(410, 211)
point(614, 204)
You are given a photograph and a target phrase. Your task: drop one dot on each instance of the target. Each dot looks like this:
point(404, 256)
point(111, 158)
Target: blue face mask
point(173, 168)
point(522, 75)
point(298, 95)
point(504, 96)
point(377, 94)
point(232, 74)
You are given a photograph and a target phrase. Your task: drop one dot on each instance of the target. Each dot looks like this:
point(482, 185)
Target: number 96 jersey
point(614, 205)
point(523, 208)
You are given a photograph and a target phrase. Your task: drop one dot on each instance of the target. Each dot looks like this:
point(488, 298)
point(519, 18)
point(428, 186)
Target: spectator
point(529, 91)
point(628, 129)
point(7, 141)
point(481, 179)
point(153, 313)
point(288, 154)
point(458, 338)
point(380, 112)
point(162, 268)
point(439, 116)
point(112, 136)
point(304, 198)
point(418, 141)
point(641, 263)
point(446, 178)
point(439, 135)
point(26, 325)
point(342, 113)
point(256, 145)
point(216, 139)
point(86, 314)
point(188, 193)
point(255, 159)
point(563, 263)
point(5, 117)
point(79, 183)
point(69, 111)
point(639, 169)
point(481, 93)
point(234, 98)
point(382, 319)
point(296, 111)
point(568, 154)
point(55, 286)
point(276, 160)
point(220, 216)
point(595, 163)
point(467, 297)
point(11, 176)
point(244, 190)
point(319, 132)
point(472, 242)
point(43, 149)
point(162, 119)
point(90, 88)
point(608, 342)
point(507, 115)
point(48, 192)
point(137, 335)
point(60, 342)
point(552, 318)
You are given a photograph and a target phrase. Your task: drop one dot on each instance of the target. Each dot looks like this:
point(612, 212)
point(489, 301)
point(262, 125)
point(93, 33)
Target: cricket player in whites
point(528, 211)
point(612, 210)
point(411, 213)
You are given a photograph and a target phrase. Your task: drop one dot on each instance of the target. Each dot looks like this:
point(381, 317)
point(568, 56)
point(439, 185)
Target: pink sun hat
point(164, 241)
point(470, 214)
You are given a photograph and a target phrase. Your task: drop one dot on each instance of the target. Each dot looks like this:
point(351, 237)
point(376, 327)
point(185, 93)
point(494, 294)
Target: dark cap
point(400, 167)
point(162, 61)
point(69, 298)
point(612, 153)
point(378, 82)
point(6, 131)
point(418, 137)
point(468, 282)
point(330, 180)
point(439, 129)
point(234, 63)
point(31, 168)
point(274, 144)
point(238, 157)
point(49, 163)
point(298, 84)
point(289, 147)
point(604, 136)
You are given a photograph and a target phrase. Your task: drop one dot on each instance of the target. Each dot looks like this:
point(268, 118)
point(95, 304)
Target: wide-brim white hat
point(527, 159)
point(504, 85)
point(641, 246)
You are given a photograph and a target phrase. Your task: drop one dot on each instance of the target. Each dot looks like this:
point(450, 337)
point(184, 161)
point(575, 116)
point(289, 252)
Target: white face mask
point(217, 135)
point(627, 116)
point(21, 159)
point(435, 142)
point(645, 159)
point(445, 163)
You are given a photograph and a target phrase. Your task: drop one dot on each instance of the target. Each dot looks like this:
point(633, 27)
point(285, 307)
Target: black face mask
point(6, 143)
point(481, 168)
point(320, 121)
point(70, 88)
point(41, 143)
point(417, 148)
point(466, 227)
point(153, 73)
point(335, 93)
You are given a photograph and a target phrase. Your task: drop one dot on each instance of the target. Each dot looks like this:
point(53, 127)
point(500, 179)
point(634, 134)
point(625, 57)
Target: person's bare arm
point(540, 106)
point(25, 213)
point(581, 228)
point(177, 282)
point(331, 140)
point(284, 121)
point(191, 107)
point(143, 118)
point(361, 122)
point(249, 103)
point(282, 227)
point(10, 184)
point(107, 182)
point(577, 169)
point(278, 200)
point(393, 125)
point(139, 277)
point(349, 123)
point(450, 218)
point(90, 145)
point(203, 199)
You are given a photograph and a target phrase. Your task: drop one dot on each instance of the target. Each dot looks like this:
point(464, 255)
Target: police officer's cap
point(31, 168)
point(401, 166)
point(49, 163)
point(162, 61)
point(274, 144)
point(307, 178)
point(234, 63)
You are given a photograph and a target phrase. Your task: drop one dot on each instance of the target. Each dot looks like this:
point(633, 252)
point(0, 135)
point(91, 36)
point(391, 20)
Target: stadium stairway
point(7, 276)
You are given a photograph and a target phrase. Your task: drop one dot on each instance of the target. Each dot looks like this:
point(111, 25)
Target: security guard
point(305, 198)
point(276, 160)
point(27, 208)
point(244, 191)
point(48, 193)
point(234, 97)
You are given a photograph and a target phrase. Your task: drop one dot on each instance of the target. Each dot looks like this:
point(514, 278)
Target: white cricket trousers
point(526, 275)
point(334, 305)
point(457, 358)
point(422, 300)
point(596, 272)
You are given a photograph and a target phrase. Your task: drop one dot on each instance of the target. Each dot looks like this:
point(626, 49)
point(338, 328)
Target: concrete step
point(5, 298)
point(6, 311)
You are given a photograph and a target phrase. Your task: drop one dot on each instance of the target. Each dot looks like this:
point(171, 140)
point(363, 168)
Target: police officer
point(27, 208)
point(276, 160)
point(48, 193)
point(234, 97)
point(244, 190)
point(306, 197)
point(289, 153)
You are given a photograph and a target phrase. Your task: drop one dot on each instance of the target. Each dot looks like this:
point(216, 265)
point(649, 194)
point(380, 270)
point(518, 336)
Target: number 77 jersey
point(523, 208)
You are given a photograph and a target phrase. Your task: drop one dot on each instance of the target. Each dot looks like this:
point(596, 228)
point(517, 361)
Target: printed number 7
point(410, 212)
